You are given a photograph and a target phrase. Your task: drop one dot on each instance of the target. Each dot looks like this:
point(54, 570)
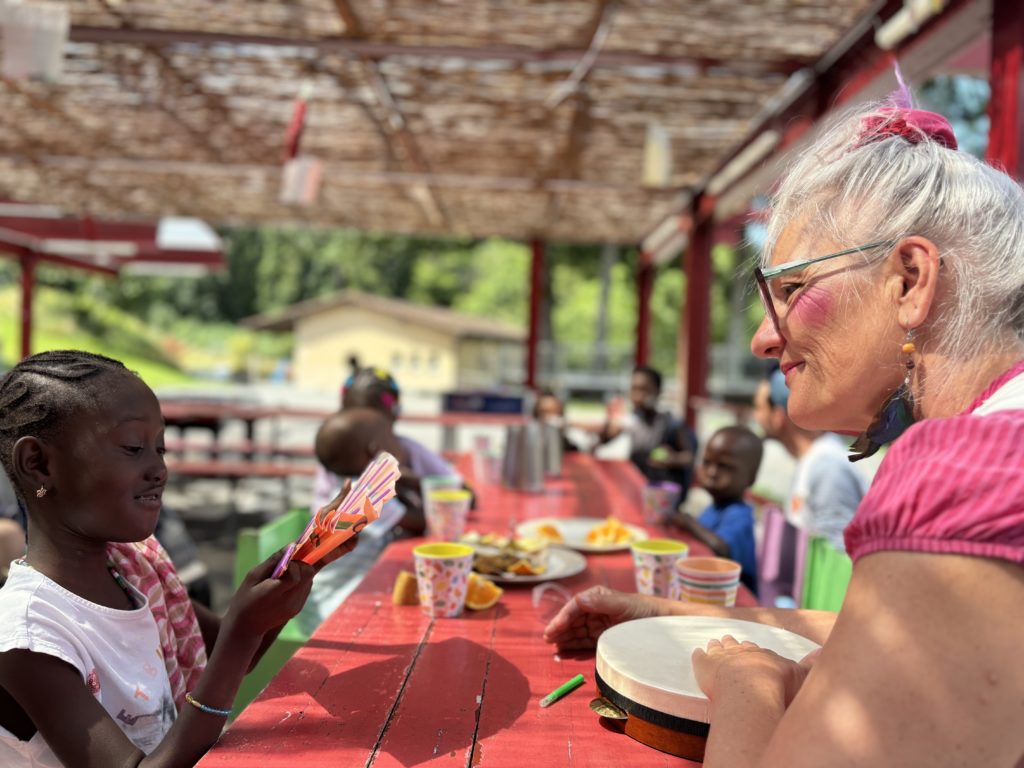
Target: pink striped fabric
point(147, 567)
point(953, 485)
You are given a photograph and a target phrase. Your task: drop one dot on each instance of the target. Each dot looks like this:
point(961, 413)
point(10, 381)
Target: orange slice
point(611, 531)
point(526, 568)
point(550, 532)
point(405, 591)
point(481, 593)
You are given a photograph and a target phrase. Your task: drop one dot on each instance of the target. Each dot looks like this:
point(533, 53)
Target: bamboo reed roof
point(517, 118)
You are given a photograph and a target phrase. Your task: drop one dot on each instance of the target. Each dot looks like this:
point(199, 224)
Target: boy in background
point(728, 468)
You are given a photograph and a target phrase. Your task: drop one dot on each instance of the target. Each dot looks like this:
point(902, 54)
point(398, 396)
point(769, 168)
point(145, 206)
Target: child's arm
point(702, 533)
point(82, 734)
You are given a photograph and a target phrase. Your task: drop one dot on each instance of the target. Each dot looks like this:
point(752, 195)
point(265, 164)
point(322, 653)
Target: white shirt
point(116, 652)
point(826, 490)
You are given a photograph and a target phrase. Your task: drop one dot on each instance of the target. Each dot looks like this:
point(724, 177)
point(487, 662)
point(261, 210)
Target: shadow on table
point(358, 702)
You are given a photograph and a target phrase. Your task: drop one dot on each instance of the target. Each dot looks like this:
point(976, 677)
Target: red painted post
point(644, 286)
point(536, 296)
point(1006, 80)
point(28, 277)
point(697, 315)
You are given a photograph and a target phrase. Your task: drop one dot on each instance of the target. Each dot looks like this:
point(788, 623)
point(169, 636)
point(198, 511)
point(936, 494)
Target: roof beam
point(351, 176)
point(395, 129)
point(372, 49)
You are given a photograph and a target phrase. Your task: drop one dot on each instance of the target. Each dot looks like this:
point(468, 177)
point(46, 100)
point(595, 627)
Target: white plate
point(574, 532)
point(562, 563)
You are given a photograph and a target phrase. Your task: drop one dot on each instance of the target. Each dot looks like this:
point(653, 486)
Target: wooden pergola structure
point(526, 120)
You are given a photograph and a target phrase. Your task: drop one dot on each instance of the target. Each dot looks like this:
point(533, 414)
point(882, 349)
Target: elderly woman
point(893, 281)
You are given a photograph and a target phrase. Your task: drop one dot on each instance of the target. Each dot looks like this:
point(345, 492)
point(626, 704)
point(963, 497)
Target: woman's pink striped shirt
point(952, 485)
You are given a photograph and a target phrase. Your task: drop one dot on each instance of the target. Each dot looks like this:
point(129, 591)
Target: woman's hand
point(728, 660)
point(582, 620)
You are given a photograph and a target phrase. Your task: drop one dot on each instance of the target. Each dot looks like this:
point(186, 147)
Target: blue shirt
point(734, 523)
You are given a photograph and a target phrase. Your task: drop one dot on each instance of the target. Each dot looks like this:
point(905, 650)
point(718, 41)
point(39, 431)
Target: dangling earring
point(896, 415)
point(41, 491)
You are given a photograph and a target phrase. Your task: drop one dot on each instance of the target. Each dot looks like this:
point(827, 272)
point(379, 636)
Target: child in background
point(103, 660)
point(349, 440)
point(728, 468)
point(375, 388)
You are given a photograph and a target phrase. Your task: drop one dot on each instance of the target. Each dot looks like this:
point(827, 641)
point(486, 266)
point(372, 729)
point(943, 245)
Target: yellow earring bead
point(909, 348)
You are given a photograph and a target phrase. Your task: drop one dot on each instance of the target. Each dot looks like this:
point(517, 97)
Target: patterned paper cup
point(707, 580)
point(446, 513)
point(660, 501)
point(654, 561)
point(442, 573)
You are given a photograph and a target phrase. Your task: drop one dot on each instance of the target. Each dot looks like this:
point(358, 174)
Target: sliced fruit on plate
point(482, 593)
point(549, 532)
point(526, 568)
point(611, 531)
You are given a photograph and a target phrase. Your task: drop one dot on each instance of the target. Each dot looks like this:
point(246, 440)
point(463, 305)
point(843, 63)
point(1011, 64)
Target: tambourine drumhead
point(643, 666)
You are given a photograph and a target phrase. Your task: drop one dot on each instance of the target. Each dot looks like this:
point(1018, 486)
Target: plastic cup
point(660, 500)
point(446, 511)
point(654, 561)
point(442, 575)
point(431, 483)
point(706, 580)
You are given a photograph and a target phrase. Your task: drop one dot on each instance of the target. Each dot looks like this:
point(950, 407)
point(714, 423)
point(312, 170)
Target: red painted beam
point(1006, 80)
point(536, 296)
point(696, 330)
point(28, 275)
point(644, 286)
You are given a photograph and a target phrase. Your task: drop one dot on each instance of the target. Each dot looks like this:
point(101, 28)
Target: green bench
point(827, 573)
point(254, 546)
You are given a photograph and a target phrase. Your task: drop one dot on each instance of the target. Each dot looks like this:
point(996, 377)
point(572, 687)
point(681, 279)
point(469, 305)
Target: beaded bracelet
point(204, 708)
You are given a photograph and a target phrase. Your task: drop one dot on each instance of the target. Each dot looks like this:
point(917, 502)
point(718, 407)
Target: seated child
point(376, 388)
point(729, 466)
point(348, 441)
point(103, 659)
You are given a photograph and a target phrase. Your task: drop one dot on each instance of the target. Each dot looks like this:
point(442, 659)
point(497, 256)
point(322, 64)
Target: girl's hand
point(727, 659)
point(263, 603)
point(582, 620)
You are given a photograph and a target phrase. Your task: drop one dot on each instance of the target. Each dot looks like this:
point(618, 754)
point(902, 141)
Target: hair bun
point(914, 125)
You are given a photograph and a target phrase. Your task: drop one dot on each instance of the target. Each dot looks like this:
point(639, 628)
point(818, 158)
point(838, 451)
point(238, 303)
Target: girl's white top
point(116, 652)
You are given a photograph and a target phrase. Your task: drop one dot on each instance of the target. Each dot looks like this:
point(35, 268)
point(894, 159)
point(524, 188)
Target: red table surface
point(385, 685)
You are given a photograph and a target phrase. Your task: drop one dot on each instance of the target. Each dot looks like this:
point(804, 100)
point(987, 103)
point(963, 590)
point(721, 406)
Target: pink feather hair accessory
point(913, 125)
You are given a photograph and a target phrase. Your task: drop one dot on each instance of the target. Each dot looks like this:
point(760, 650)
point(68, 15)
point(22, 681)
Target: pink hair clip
point(913, 125)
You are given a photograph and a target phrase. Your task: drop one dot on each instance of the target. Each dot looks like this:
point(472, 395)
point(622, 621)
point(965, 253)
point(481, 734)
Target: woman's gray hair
point(854, 187)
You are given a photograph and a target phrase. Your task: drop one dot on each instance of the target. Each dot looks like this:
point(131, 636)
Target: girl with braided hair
point(103, 660)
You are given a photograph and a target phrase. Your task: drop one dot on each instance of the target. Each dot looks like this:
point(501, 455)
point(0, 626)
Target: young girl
point(103, 660)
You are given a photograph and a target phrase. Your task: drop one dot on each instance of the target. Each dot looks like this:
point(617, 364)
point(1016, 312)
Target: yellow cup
point(654, 562)
point(442, 577)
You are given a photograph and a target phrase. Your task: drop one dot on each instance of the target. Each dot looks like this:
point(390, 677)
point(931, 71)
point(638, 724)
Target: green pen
point(561, 690)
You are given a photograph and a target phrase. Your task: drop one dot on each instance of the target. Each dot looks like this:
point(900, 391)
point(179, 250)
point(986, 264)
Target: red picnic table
point(384, 685)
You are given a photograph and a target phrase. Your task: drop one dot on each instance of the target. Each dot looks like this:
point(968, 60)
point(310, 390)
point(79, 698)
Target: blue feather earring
point(895, 416)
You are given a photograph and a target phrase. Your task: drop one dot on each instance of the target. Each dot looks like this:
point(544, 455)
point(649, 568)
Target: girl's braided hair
point(41, 392)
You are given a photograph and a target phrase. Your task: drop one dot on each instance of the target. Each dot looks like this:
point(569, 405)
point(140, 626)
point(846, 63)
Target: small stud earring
point(41, 491)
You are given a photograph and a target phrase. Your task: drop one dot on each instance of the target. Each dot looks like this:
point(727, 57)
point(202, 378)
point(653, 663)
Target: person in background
point(376, 388)
point(12, 526)
point(549, 409)
point(727, 469)
point(661, 446)
point(347, 442)
point(826, 488)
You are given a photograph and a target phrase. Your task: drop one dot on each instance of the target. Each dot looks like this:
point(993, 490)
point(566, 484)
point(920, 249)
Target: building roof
point(448, 321)
point(478, 117)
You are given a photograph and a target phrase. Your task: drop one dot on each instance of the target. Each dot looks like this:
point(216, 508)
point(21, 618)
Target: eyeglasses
point(764, 275)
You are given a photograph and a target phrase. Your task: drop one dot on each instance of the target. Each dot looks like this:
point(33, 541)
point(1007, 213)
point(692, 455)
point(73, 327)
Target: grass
point(64, 321)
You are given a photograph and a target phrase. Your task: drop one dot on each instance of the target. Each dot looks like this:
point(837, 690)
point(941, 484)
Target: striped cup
point(707, 580)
